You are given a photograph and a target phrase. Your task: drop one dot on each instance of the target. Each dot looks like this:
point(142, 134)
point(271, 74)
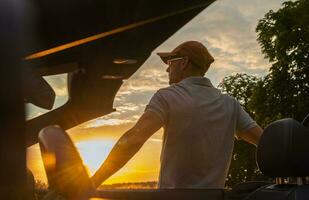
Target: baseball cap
point(196, 52)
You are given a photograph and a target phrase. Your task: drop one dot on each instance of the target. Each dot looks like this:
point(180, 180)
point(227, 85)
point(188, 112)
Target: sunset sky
point(227, 28)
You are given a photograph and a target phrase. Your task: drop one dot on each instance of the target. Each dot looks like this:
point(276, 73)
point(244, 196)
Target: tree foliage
point(240, 86)
point(284, 39)
point(243, 166)
point(284, 92)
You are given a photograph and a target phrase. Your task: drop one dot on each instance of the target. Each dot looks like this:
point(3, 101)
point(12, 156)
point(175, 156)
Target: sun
point(94, 152)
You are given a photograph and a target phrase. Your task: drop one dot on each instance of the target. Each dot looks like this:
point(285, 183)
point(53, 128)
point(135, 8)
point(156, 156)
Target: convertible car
point(100, 43)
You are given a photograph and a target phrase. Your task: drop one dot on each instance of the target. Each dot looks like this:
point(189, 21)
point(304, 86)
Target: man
point(199, 125)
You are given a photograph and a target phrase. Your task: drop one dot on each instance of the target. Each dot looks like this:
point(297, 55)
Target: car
point(100, 44)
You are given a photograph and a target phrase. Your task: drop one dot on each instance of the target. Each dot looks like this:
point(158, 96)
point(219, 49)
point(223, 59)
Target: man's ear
point(184, 63)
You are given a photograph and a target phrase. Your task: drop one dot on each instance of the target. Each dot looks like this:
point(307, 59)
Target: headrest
point(283, 150)
point(64, 168)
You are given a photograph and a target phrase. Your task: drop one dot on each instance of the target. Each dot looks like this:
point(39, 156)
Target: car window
point(59, 85)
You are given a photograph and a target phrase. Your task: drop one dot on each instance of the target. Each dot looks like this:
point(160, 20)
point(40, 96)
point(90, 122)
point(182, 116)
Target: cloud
point(127, 107)
point(103, 122)
point(155, 140)
point(226, 27)
point(32, 115)
point(126, 113)
point(58, 83)
point(148, 78)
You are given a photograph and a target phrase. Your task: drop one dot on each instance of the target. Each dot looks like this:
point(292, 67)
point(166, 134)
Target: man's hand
point(127, 146)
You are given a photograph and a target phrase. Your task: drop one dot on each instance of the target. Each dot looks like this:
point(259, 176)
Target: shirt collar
point(198, 80)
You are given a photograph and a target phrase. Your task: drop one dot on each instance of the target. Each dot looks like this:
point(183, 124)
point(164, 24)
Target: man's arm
point(127, 146)
point(251, 135)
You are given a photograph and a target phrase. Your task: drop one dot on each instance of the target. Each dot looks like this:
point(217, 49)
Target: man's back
point(199, 128)
point(199, 125)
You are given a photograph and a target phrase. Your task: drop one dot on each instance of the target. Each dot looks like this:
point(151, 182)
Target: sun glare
point(140, 168)
point(94, 152)
point(143, 167)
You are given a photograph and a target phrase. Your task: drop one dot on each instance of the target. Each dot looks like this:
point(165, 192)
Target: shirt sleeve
point(244, 121)
point(158, 105)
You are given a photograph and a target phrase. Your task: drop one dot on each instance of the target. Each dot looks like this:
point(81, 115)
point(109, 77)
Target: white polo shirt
point(199, 127)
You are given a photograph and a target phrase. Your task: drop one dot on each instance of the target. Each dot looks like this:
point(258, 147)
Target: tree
point(263, 102)
point(284, 91)
point(240, 86)
point(284, 39)
point(243, 166)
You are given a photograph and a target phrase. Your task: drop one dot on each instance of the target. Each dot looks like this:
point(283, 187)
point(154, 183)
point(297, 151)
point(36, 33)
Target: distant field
point(134, 185)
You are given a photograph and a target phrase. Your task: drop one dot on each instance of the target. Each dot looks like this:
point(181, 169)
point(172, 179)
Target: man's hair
point(198, 70)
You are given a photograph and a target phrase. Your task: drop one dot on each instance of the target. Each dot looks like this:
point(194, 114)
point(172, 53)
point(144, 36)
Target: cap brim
point(165, 56)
